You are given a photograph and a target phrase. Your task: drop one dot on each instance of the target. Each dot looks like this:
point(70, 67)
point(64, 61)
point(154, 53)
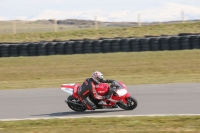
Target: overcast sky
point(105, 10)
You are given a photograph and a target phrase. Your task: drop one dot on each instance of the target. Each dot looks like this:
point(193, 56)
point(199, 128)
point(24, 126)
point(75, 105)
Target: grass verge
point(157, 30)
point(167, 124)
point(130, 68)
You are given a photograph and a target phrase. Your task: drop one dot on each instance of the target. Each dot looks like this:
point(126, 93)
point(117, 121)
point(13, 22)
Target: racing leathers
point(88, 89)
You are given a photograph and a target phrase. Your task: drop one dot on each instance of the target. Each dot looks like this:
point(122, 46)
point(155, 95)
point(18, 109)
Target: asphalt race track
point(162, 99)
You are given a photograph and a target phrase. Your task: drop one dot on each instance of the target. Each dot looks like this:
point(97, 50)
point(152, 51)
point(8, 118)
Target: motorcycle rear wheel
point(131, 104)
point(75, 107)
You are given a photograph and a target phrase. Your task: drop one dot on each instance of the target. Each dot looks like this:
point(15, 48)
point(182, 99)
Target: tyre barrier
point(194, 41)
point(69, 47)
point(125, 45)
point(41, 49)
point(154, 44)
point(78, 47)
point(60, 48)
point(184, 42)
point(135, 45)
point(115, 45)
point(144, 44)
point(87, 46)
point(5, 50)
point(106, 46)
point(96, 46)
point(174, 43)
point(103, 45)
point(164, 43)
point(13, 50)
point(32, 49)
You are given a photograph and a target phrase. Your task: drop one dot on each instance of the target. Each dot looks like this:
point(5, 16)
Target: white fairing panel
point(67, 90)
point(121, 92)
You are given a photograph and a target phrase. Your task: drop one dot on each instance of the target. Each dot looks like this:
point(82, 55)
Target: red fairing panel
point(75, 93)
point(102, 89)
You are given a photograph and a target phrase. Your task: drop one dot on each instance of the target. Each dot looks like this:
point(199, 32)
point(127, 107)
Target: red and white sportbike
point(119, 97)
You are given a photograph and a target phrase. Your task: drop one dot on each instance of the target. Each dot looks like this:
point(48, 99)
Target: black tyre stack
point(60, 48)
point(0, 51)
point(154, 44)
point(23, 49)
point(174, 43)
point(115, 45)
point(184, 42)
point(87, 46)
point(125, 45)
point(106, 46)
point(96, 45)
point(50, 48)
point(164, 43)
point(32, 49)
point(41, 49)
point(78, 47)
point(69, 47)
point(5, 50)
point(144, 43)
point(13, 50)
point(195, 41)
point(135, 45)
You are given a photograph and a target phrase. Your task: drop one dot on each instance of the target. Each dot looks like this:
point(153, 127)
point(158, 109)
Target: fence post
point(14, 27)
point(182, 15)
point(96, 23)
point(139, 23)
point(55, 25)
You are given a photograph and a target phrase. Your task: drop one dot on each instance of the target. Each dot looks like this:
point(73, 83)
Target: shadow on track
point(58, 114)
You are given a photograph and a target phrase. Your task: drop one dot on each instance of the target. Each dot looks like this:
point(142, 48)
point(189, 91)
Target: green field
point(130, 68)
point(157, 30)
point(169, 124)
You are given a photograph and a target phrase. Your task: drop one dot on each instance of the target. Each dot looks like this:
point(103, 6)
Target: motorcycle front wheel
point(131, 104)
point(73, 106)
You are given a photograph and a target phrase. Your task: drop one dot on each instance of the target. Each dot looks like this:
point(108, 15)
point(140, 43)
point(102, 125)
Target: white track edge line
point(100, 116)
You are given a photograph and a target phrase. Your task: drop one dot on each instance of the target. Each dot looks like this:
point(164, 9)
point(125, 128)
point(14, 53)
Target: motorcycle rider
point(88, 89)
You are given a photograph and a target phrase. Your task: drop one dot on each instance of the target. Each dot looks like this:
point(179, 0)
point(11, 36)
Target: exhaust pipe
point(70, 102)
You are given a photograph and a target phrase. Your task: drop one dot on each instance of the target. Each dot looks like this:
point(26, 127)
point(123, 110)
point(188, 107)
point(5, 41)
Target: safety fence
point(161, 43)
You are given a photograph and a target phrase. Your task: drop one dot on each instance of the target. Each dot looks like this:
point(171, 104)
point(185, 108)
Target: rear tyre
point(131, 104)
point(75, 107)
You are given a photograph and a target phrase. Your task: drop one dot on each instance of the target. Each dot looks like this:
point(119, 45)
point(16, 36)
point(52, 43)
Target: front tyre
point(75, 107)
point(131, 104)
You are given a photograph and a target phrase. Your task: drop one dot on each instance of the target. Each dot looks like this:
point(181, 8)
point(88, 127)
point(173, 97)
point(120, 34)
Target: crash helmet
point(97, 77)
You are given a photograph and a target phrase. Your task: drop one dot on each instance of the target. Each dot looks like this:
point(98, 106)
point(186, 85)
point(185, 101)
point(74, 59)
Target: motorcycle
point(119, 97)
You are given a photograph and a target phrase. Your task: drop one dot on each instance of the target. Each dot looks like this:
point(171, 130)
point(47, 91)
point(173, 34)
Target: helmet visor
point(99, 79)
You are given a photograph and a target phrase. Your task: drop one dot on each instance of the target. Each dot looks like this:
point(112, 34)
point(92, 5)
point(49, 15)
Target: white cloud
point(170, 11)
point(160, 12)
point(57, 1)
point(20, 18)
point(3, 18)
